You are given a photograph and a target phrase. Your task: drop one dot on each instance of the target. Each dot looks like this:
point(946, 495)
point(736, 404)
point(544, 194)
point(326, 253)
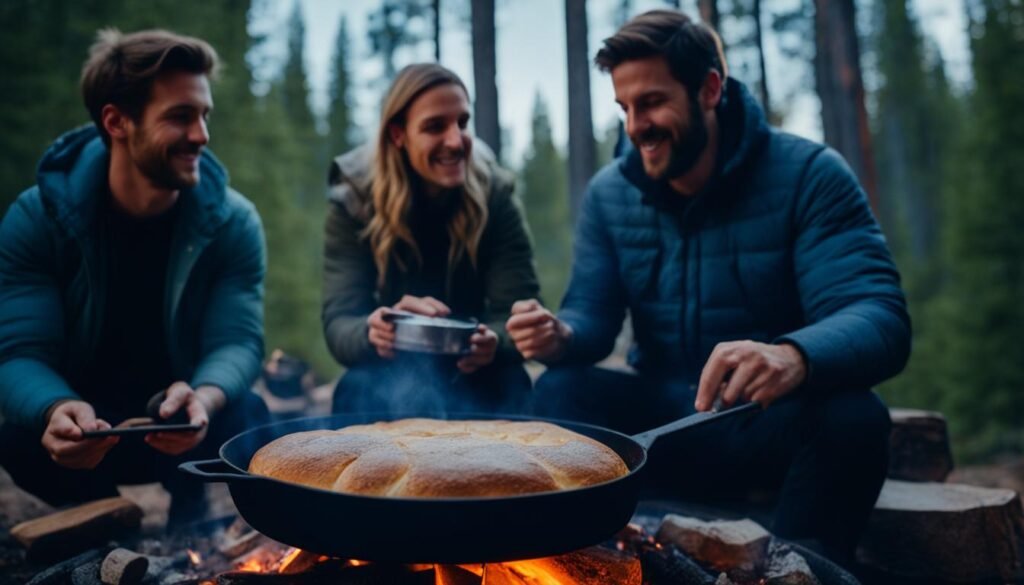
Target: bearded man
point(752, 269)
point(129, 269)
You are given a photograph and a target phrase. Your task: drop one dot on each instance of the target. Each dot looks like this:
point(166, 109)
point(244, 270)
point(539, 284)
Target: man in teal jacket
point(130, 268)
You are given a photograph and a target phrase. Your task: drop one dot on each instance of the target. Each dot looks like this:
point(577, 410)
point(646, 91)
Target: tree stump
point(919, 446)
point(950, 532)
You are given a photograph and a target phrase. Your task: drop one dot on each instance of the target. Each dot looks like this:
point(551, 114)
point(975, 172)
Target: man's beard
point(156, 161)
point(686, 149)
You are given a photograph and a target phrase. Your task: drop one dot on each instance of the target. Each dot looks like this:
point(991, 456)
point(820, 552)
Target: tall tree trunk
point(759, 39)
point(709, 13)
point(841, 89)
point(485, 107)
point(437, 30)
point(581, 124)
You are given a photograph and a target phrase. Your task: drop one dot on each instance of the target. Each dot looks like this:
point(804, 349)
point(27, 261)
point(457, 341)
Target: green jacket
point(52, 283)
point(505, 271)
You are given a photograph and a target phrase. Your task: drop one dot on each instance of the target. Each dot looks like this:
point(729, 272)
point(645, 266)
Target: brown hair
point(121, 68)
point(690, 48)
point(392, 188)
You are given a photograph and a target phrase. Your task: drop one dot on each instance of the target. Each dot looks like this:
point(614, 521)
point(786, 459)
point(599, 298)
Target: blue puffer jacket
point(781, 246)
point(52, 282)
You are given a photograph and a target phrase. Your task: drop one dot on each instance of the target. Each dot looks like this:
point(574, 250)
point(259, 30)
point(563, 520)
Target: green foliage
point(981, 310)
point(966, 284)
point(545, 196)
point(339, 118)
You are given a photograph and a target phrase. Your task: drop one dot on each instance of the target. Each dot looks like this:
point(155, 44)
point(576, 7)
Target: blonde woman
point(423, 220)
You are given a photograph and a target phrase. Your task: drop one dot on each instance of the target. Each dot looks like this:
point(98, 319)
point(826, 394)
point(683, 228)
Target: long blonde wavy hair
point(392, 188)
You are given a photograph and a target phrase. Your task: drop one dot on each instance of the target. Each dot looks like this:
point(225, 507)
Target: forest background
point(938, 142)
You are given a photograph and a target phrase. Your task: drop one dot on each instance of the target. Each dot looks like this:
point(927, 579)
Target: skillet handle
point(221, 471)
point(647, 438)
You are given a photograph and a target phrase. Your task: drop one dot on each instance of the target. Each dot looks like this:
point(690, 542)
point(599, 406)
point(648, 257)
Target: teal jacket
point(52, 282)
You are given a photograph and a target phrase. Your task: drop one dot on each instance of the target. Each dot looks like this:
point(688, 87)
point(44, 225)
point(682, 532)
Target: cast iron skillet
point(434, 530)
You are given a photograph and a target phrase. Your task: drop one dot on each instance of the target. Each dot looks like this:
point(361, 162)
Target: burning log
point(952, 532)
point(238, 546)
point(69, 531)
point(123, 567)
point(374, 574)
point(737, 547)
point(919, 446)
point(590, 566)
point(456, 575)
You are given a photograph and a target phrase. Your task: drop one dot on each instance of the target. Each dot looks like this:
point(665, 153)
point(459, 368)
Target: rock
point(738, 547)
point(787, 567)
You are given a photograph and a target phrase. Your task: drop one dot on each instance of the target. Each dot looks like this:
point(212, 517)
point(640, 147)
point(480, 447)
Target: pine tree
point(981, 358)
point(544, 193)
point(915, 123)
point(339, 118)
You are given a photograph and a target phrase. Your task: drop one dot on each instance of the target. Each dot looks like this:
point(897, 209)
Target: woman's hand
point(382, 332)
point(483, 345)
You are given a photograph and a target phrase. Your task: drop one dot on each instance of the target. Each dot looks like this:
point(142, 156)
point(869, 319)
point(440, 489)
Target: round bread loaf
point(427, 458)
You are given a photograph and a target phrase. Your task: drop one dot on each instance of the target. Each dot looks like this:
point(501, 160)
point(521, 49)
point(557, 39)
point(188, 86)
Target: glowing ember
point(357, 563)
point(194, 557)
point(287, 560)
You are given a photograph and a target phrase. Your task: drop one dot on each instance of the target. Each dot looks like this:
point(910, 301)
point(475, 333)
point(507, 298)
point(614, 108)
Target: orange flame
point(251, 566)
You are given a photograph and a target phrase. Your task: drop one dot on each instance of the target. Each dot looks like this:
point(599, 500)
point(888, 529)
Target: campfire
point(246, 557)
point(660, 548)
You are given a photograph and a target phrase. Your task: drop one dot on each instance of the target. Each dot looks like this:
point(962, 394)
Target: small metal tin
point(436, 335)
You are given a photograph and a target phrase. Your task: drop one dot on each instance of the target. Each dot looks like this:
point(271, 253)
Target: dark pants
point(431, 385)
point(826, 453)
point(130, 461)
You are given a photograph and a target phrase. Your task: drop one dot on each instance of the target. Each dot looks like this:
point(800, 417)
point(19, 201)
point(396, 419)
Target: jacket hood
point(73, 173)
point(350, 177)
point(743, 130)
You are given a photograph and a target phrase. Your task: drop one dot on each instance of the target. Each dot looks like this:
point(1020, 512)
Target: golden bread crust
point(428, 458)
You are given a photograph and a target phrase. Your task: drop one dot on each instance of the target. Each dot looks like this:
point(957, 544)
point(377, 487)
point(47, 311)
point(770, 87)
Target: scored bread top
point(427, 458)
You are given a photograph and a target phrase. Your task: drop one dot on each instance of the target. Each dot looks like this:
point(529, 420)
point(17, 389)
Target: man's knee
point(857, 423)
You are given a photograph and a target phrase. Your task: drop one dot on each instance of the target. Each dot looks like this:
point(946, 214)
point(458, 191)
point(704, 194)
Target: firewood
point(738, 547)
point(590, 566)
point(69, 531)
point(456, 575)
point(123, 567)
point(952, 532)
point(919, 446)
point(234, 547)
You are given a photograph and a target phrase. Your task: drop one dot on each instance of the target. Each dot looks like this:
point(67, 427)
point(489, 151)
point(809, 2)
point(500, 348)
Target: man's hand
point(198, 404)
point(537, 333)
point(483, 344)
point(63, 435)
point(757, 372)
point(382, 332)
